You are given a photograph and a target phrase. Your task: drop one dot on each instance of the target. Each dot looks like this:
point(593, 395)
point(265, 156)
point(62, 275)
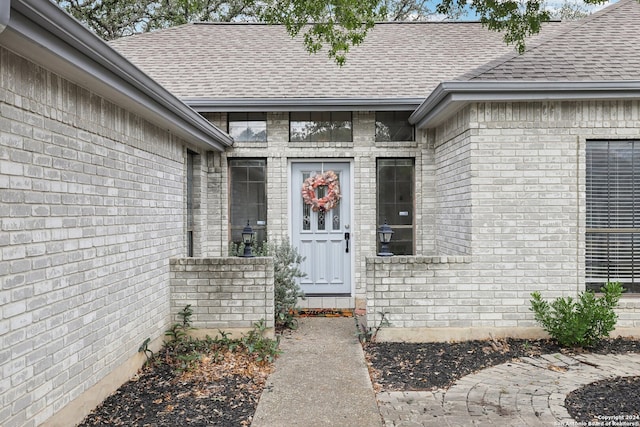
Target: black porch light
point(247, 238)
point(384, 235)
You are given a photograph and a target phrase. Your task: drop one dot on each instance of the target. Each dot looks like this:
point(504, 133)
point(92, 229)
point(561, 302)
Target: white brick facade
point(223, 292)
point(510, 186)
point(93, 200)
point(92, 208)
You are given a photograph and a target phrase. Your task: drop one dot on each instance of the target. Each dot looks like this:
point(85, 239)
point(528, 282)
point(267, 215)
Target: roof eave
point(449, 97)
point(44, 34)
point(211, 105)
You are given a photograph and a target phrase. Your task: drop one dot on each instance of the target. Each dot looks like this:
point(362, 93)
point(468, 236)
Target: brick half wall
point(229, 293)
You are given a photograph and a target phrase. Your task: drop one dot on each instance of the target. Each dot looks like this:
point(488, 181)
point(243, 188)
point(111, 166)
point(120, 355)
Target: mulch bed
point(224, 390)
point(612, 401)
point(408, 366)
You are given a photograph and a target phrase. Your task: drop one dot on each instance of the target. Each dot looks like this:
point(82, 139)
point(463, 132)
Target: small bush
point(286, 260)
point(580, 322)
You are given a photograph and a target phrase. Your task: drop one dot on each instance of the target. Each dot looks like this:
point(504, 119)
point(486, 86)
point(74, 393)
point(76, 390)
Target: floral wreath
point(328, 202)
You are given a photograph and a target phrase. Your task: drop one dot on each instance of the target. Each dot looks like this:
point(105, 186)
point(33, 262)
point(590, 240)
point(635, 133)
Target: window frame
point(235, 222)
point(190, 202)
point(397, 226)
point(247, 118)
point(330, 118)
point(612, 214)
point(400, 117)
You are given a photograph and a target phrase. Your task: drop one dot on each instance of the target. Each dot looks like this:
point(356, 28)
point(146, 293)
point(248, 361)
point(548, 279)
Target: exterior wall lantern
point(247, 238)
point(384, 235)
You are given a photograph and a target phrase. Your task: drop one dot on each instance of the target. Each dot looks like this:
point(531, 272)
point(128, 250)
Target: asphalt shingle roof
point(604, 46)
point(397, 60)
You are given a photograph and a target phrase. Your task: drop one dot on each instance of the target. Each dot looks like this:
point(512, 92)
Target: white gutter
point(449, 97)
point(43, 33)
point(203, 105)
point(5, 14)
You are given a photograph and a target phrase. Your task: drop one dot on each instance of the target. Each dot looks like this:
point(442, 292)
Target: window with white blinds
point(613, 216)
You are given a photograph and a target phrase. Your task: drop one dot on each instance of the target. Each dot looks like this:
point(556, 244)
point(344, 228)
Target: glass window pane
point(248, 127)
point(396, 201)
point(247, 197)
point(612, 196)
point(320, 126)
point(394, 126)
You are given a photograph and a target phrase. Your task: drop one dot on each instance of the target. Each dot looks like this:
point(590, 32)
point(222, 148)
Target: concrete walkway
point(529, 392)
point(320, 379)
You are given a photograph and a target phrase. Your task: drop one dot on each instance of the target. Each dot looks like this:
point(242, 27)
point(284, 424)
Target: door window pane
point(248, 127)
point(248, 201)
point(393, 126)
point(613, 200)
point(320, 126)
point(395, 178)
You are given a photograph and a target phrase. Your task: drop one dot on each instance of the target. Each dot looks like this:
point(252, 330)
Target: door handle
point(347, 236)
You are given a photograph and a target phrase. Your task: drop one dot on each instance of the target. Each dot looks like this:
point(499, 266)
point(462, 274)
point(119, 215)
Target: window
point(395, 202)
point(248, 197)
point(613, 214)
point(190, 202)
point(393, 126)
point(320, 126)
point(248, 127)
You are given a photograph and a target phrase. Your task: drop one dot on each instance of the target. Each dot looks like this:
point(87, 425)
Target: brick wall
point(224, 293)
point(91, 210)
point(510, 184)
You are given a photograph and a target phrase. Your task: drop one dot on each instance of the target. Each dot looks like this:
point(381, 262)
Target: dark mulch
point(615, 401)
point(428, 366)
point(225, 391)
point(220, 392)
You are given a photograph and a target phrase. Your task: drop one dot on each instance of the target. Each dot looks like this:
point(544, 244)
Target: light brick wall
point(363, 152)
point(510, 184)
point(224, 293)
point(92, 208)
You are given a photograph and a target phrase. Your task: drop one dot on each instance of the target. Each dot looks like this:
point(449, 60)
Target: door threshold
point(347, 295)
point(324, 312)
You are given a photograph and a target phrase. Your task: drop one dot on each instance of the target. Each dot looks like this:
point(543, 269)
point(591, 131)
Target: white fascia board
point(301, 104)
point(450, 97)
point(46, 35)
point(5, 14)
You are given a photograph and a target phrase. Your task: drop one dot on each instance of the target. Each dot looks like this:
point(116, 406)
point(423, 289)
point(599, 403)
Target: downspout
point(5, 14)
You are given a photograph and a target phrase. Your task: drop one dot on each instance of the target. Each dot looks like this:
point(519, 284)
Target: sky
point(551, 4)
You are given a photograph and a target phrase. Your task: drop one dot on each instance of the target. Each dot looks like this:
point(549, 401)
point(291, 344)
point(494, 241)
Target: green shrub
point(286, 261)
point(580, 322)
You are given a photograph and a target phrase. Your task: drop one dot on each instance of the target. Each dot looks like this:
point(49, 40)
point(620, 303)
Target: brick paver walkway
point(529, 392)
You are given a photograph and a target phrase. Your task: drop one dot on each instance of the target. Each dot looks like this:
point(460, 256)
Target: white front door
point(322, 236)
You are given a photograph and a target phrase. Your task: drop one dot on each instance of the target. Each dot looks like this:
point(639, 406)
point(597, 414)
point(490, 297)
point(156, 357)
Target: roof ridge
point(256, 23)
point(544, 40)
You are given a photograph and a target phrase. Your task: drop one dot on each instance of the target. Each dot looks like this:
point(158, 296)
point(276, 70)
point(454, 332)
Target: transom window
point(395, 202)
point(248, 127)
point(317, 126)
point(393, 126)
point(613, 214)
point(248, 200)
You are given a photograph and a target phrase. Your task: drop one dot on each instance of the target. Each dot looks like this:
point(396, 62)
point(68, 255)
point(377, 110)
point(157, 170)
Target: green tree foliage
point(336, 25)
point(111, 19)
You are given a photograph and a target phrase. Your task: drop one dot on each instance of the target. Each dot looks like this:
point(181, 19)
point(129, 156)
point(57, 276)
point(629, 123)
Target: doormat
point(324, 312)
